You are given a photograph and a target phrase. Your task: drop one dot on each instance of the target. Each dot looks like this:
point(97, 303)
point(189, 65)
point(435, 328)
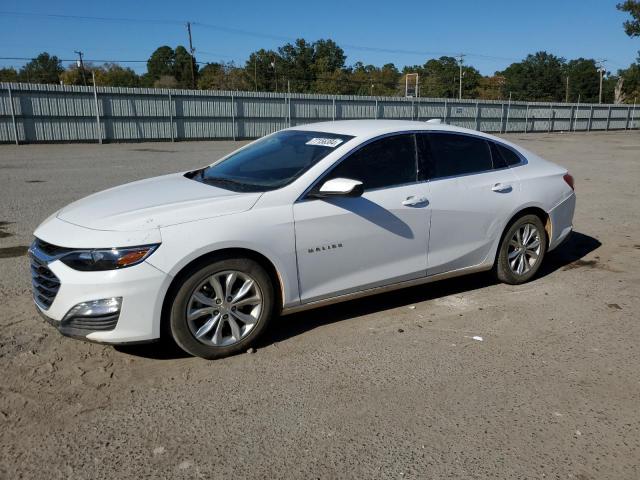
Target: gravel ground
point(394, 386)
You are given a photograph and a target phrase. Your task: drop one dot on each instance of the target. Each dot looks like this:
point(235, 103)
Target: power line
point(86, 17)
point(239, 31)
point(91, 60)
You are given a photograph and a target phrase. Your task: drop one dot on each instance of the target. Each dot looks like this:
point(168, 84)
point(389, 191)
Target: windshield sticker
point(325, 142)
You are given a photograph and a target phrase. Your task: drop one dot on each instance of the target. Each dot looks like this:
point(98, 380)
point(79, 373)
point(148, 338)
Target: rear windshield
point(271, 162)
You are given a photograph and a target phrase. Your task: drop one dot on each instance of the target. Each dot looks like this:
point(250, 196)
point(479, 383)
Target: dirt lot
point(392, 386)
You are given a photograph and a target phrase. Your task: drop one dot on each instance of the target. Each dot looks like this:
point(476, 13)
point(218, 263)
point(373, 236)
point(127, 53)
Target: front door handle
point(501, 187)
point(414, 200)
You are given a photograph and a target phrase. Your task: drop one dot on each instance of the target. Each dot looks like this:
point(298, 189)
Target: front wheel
point(222, 308)
point(521, 251)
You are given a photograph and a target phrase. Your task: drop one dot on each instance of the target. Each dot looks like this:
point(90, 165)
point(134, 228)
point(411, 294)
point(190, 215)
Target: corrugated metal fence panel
point(634, 118)
point(619, 117)
point(54, 113)
point(314, 110)
point(431, 109)
point(6, 125)
point(394, 110)
point(356, 109)
point(600, 115)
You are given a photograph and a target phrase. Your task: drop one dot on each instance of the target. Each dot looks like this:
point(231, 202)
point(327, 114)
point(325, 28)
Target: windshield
point(271, 162)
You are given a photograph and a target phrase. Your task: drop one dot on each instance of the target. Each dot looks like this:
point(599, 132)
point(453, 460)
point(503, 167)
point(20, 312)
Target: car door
point(346, 244)
point(471, 196)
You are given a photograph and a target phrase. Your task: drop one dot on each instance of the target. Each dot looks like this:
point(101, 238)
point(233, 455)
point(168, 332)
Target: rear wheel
point(522, 250)
point(222, 308)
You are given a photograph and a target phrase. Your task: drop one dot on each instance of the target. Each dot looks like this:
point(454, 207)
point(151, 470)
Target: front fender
point(268, 232)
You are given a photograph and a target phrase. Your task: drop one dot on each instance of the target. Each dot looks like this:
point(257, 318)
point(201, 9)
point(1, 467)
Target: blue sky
point(493, 34)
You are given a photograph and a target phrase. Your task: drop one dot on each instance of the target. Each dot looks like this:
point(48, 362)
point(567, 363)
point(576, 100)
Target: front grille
point(44, 282)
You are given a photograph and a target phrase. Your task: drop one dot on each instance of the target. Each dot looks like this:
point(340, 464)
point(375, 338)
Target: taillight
point(569, 179)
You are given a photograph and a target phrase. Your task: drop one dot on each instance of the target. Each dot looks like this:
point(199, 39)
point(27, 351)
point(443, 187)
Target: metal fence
point(51, 113)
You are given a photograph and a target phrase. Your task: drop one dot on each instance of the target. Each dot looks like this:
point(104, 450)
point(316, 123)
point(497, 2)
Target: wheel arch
point(532, 210)
point(528, 210)
point(212, 256)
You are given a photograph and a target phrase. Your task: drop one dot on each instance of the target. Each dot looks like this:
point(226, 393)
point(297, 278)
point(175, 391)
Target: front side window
point(383, 163)
point(271, 162)
point(450, 154)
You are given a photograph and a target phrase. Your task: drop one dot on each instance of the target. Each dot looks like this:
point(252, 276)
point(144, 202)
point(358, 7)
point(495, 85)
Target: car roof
point(371, 128)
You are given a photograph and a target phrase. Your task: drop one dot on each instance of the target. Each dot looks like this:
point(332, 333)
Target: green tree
point(42, 69)
point(372, 80)
point(584, 80)
point(212, 77)
point(631, 86)
point(161, 63)
point(8, 75)
point(73, 75)
point(539, 77)
point(260, 70)
point(182, 67)
point(327, 56)
point(331, 76)
point(221, 76)
point(632, 7)
point(166, 63)
point(166, 81)
point(337, 82)
point(236, 78)
point(306, 66)
point(109, 75)
point(113, 75)
point(491, 88)
point(440, 78)
point(608, 88)
point(297, 65)
point(385, 80)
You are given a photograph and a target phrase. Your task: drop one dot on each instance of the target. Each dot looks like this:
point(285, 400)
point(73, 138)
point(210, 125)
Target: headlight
point(107, 259)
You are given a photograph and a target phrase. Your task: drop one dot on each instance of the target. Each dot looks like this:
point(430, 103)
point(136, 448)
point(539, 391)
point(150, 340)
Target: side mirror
point(339, 187)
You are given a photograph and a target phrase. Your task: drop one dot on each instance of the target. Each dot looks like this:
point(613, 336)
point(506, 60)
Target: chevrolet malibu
point(301, 218)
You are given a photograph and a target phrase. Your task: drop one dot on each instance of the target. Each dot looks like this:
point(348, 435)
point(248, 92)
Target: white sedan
point(303, 217)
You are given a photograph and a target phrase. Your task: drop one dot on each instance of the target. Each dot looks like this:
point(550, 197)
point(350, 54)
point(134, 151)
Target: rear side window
point(383, 163)
point(451, 154)
point(504, 155)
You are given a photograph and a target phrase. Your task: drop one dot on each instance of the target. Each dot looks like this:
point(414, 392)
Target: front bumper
point(142, 288)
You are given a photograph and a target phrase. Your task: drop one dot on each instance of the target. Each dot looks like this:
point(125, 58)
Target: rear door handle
point(501, 187)
point(414, 200)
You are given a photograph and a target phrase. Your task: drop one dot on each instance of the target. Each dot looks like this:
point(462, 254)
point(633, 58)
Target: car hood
point(153, 203)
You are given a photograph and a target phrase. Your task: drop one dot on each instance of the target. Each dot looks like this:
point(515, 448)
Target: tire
point(208, 321)
point(518, 261)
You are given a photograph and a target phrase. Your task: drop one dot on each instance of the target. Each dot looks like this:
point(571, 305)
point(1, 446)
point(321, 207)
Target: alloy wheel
point(224, 308)
point(524, 249)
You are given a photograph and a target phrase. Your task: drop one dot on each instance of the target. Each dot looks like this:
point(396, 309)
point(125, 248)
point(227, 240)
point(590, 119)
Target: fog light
point(105, 307)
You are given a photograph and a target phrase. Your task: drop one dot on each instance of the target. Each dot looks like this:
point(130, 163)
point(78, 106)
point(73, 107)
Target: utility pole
point(460, 59)
point(81, 66)
point(601, 70)
point(191, 51)
point(275, 72)
point(566, 95)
